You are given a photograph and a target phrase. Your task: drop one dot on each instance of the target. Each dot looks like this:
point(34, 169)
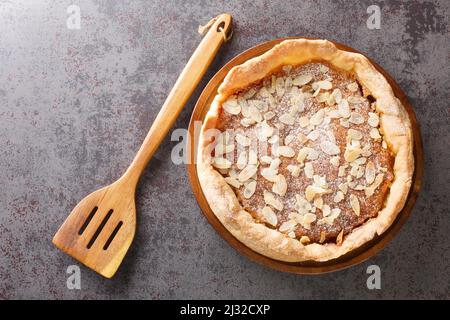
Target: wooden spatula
point(100, 229)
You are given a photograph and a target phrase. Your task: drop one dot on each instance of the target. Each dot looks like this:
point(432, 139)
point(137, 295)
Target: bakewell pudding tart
point(305, 153)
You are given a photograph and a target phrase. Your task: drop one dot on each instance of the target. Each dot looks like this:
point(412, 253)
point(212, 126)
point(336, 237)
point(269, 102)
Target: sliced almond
point(354, 203)
point(269, 199)
point(273, 139)
point(339, 196)
point(355, 100)
point(231, 106)
point(343, 187)
point(374, 133)
point(340, 237)
point(221, 163)
point(356, 118)
point(344, 108)
point(324, 84)
point(246, 122)
point(335, 161)
point(285, 151)
point(233, 182)
point(280, 185)
point(313, 135)
point(249, 189)
point(242, 160)
point(287, 119)
point(341, 171)
point(329, 148)
point(279, 86)
point(289, 138)
point(266, 159)
point(322, 237)
point(313, 154)
point(317, 118)
point(373, 120)
point(269, 174)
point(304, 240)
point(370, 172)
point(269, 216)
point(371, 189)
point(311, 191)
point(326, 210)
point(353, 134)
point(294, 170)
point(287, 226)
point(337, 95)
point(309, 218)
point(323, 68)
point(309, 170)
point(318, 202)
point(353, 87)
point(247, 172)
point(384, 144)
point(352, 153)
point(269, 115)
point(302, 154)
point(303, 121)
point(302, 79)
point(243, 140)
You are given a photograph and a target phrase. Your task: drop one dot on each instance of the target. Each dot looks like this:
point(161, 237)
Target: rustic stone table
point(75, 105)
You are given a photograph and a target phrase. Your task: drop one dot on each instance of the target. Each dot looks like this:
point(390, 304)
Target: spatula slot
point(100, 228)
point(88, 220)
point(113, 234)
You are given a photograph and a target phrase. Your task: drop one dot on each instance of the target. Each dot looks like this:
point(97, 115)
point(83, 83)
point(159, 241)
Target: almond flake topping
point(287, 226)
point(354, 203)
point(304, 122)
point(329, 148)
point(353, 87)
point(285, 151)
point(373, 120)
point(309, 170)
point(287, 119)
point(270, 200)
point(370, 172)
point(317, 118)
point(324, 84)
point(269, 216)
point(305, 240)
point(247, 172)
point(374, 133)
point(231, 106)
point(242, 160)
point(302, 79)
point(233, 182)
point(294, 170)
point(344, 108)
point(356, 118)
point(221, 163)
point(243, 140)
point(250, 189)
point(280, 185)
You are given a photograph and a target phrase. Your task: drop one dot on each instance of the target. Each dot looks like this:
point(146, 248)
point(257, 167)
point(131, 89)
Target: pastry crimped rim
point(394, 125)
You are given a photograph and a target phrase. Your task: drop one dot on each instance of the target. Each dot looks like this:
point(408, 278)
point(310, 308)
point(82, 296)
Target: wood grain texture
point(110, 213)
point(357, 256)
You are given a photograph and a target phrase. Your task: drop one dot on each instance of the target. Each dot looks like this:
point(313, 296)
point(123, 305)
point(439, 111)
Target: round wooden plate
point(309, 267)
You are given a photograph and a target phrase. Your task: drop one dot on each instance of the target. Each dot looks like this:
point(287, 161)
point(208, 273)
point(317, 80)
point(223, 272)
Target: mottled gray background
point(76, 104)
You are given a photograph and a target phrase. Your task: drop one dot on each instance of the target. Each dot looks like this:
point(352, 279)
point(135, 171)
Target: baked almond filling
point(303, 152)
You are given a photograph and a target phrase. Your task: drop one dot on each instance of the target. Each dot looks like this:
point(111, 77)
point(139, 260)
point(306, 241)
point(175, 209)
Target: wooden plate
point(309, 267)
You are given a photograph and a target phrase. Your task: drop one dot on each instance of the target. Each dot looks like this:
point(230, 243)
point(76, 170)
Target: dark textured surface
point(76, 104)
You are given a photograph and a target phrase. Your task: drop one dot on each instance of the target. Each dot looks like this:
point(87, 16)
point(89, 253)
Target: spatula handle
point(180, 93)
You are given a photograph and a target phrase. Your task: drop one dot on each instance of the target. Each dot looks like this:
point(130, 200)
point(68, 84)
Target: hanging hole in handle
point(221, 27)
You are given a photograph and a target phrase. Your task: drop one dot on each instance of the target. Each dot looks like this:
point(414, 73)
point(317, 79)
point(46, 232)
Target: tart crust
point(394, 125)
